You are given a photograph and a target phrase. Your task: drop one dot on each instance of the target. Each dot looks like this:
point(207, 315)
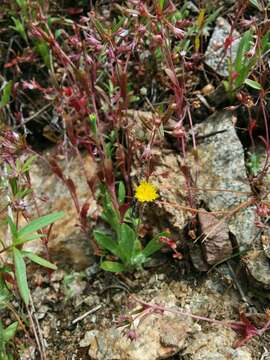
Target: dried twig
point(86, 314)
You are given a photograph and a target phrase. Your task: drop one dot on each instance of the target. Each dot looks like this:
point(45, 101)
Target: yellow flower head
point(146, 192)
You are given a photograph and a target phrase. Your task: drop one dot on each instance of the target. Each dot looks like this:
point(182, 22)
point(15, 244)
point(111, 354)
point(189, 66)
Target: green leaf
point(265, 42)
point(226, 85)
point(22, 193)
point(52, 20)
point(22, 4)
point(116, 26)
point(154, 245)
point(27, 238)
point(12, 227)
point(14, 185)
point(254, 84)
point(2, 342)
point(100, 28)
point(121, 192)
point(40, 223)
point(43, 50)
point(39, 260)
point(161, 4)
point(58, 33)
point(20, 274)
point(5, 294)
point(6, 94)
point(112, 266)
point(107, 243)
point(256, 4)
point(243, 47)
point(211, 17)
point(127, 240)
point(239, 81)
point(93, 123)
point(9, 332)
point(19, 27)
point(109, 214)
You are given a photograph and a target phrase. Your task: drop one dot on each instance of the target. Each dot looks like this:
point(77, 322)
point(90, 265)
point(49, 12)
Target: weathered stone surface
point(158, 337)
point(167, 177)
point(67, 245)
point(215, 345)
point(215, 57)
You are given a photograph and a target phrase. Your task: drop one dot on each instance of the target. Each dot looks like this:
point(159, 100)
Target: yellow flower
point(146, 192)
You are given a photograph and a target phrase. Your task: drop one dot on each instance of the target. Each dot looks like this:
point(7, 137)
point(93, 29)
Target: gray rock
point(223, 186)
point(222, 176)
point(197, 258)
point(258, 266)
point(215, 56)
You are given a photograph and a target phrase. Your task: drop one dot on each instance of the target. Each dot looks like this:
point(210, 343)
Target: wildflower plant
point(16, 197)
point(122, 243)
point(248, 56)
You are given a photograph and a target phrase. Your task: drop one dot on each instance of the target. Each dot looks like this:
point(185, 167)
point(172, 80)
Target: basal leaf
point(109, 214)
point(127, 240)
point(154, 245)
point(107, 243)
point(112, 266)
